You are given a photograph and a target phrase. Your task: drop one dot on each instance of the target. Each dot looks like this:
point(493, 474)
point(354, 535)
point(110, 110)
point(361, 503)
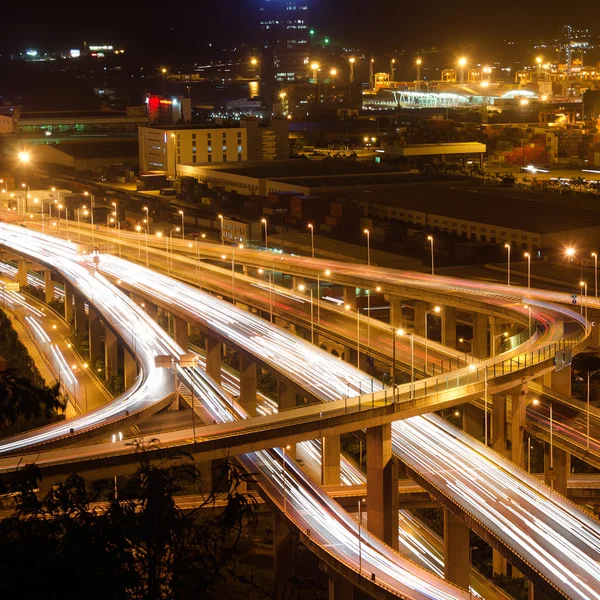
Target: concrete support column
point(180, 332)
point(499, 423)
point(130, 369)
point(449, 326)
point(561, 380)
point(283, 559)
point(480, 335)
point(95, 334)
point(296, 282)
point(330, 460)
point(339, 587)
point(350, 296)
point(212, 348)
point(457, 547)
point(80, 317)
point(535, 593)
point(111, 354)
point(382, 485)
point(556, 477)
point(499, 563)
point(286, 400)
point(248, 384)
point(48, 286)
point(151, 310)
point(396, 318)
point(518, 404)
point(22, 272)
point(472, 421)
point(69, 292)
point(419, 317)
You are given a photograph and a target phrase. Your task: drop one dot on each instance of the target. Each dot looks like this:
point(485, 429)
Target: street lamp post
point(595, 255)
point(302, 288)
point(260, 272)
point(583, 286)
point(241, 246)
point(507, 246)
point(360, 502)
point(503, 334)
point(528, 257)
point(264, 222)
point(283, 479)
point(312, 239)
point(589, 375)
point(430, 239)
point(86, 193)
point(327, 273)
point(352, 60)
point(182, 225)
point(536, 402)
point(368, 234)
point(435, 310)
point(412, 361)
point(222, 239)
point(138, 228)
point(170, 258)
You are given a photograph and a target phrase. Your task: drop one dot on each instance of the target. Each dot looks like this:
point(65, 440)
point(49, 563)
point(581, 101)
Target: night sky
point(409, 24)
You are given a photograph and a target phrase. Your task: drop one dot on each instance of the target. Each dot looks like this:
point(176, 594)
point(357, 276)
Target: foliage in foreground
point(143, 547)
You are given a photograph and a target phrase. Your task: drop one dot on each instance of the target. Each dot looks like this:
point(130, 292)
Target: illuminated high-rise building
point(285, 41)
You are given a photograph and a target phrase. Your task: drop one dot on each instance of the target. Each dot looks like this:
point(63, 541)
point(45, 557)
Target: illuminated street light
point(462, 63)
point(528, 257)
point(302, 288)
point(352, 60)
point(430, 239)
point(595, 257)
point(393, 69)
point(333, 73)
point(315, 70)
point(368, 234)
point(507, 246)
point(435, 310)
point(264, 222)
point(419, 62)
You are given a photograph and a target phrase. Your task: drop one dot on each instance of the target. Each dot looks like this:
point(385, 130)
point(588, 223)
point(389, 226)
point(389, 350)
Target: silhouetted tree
point(141, 547)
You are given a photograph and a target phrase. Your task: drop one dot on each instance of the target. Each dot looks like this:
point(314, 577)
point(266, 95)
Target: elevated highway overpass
point(547, 582)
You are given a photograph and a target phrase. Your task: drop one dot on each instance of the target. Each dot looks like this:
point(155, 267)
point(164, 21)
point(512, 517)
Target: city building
point(47, 126)
point(168, 111)
point(165, 149)
point(285, 42)
point(236, 231)
point(86, 156)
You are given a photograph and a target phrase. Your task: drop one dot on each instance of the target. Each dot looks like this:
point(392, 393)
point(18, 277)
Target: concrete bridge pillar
point(499, 423)
point(80, 318)
point(457, 549)
point(350, 296)
point(449, 326)
point(499, 563)
point(111, 354)
point(48, 286)
point(180, 332)
point(382, 485)
point(151, 310)
point(419, 315)
point(396, 319)
point(21, 272)
point(473, 421)
point(286, 400)
point(248, 384)
point(94, 335)
point(130, 369)
point(330, 460)
point(556, 472)
point(283, 559)
point(480, 335)
point(212, 348)
point(561, 380)
point(518, 403)
point(339, 587)
point(69, 292)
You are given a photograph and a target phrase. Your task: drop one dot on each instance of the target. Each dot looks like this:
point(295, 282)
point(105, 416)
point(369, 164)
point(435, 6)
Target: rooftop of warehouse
point(99, 149)
point(299, 168)
point(513, 208)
